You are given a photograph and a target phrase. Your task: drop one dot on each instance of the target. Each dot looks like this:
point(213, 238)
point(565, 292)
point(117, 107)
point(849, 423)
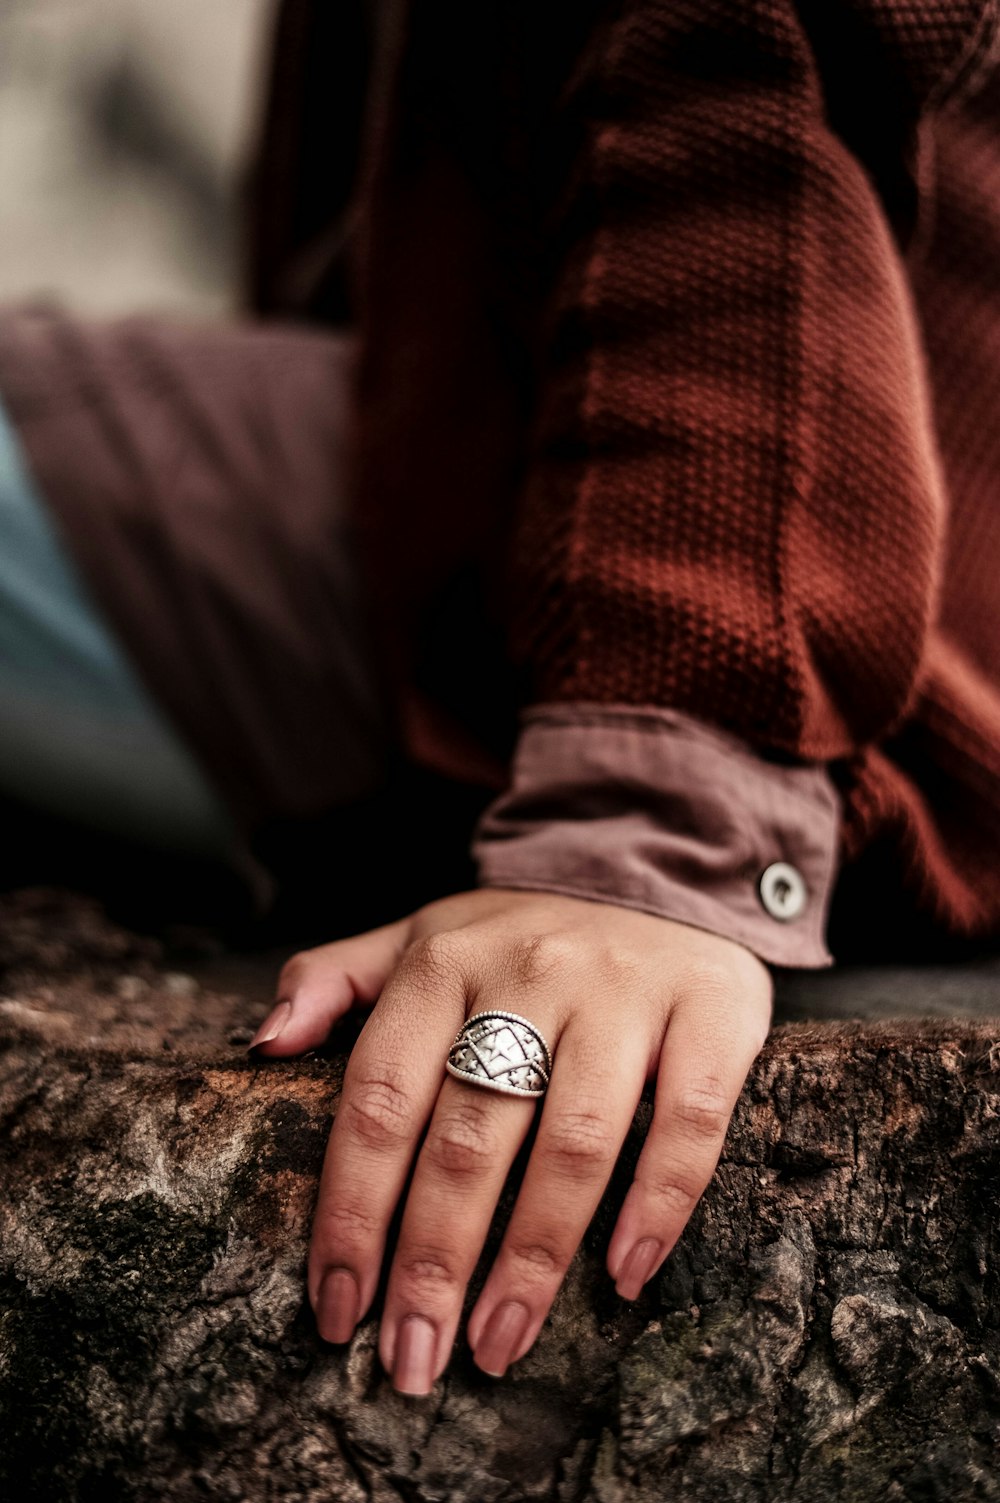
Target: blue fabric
point(79, 733)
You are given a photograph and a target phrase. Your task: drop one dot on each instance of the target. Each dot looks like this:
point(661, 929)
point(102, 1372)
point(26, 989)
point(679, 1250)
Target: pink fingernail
point(637, 1267)
point(272, 1025)
point(416, 1345)
point(337, 1305)
point(502, 1337)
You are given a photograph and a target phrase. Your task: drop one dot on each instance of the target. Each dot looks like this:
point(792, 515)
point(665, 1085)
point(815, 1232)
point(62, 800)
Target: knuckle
point(675, 1194)
point(427, 1269)
point(348, 1225)
point(433, 959)
point(376, 1111)
point(459, 1147)
point(580, 1144)
point(702, 1113)
point(539, 1258)
point(711, 981)
point(534, 958)
point(614, 967)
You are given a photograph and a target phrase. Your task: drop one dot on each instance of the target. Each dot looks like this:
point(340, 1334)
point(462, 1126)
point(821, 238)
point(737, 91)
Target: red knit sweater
point(681, 382)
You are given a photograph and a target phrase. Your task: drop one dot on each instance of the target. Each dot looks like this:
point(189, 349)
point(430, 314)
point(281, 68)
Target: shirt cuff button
point(782, 891)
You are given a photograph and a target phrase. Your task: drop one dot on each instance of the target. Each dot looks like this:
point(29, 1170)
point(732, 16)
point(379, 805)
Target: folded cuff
point(650, 808)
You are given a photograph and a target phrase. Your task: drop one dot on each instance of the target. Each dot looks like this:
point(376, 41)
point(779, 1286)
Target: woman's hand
point(620, 996)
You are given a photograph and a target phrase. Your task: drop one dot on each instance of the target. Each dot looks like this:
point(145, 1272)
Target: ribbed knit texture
point(752, 527)
point(744, 259)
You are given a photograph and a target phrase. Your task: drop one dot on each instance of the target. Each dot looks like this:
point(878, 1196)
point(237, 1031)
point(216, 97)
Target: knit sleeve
point(734, 510)
point(734, 506)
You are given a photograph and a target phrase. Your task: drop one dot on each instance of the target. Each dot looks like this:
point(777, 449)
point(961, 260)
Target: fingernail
point(637, 1267)
point(337, 1305)
point(501, 1338)
point(413, 1367)
point(272, 1025)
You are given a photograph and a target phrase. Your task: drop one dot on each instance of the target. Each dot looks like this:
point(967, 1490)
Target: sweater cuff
point(649, 808)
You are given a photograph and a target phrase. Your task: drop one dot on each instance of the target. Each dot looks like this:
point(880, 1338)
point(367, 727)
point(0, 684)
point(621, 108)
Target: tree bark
point(827, 1327)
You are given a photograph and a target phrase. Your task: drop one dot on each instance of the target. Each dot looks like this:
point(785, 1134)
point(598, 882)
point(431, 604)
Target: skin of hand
point(621, 997)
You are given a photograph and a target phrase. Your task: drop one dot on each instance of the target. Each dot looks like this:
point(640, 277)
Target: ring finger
point(597, 1081)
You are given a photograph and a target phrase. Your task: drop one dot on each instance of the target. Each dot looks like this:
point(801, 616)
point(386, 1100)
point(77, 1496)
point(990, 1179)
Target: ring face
point(503, 1052)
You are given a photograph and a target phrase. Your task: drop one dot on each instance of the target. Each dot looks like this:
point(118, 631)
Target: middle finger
point(473, 1138)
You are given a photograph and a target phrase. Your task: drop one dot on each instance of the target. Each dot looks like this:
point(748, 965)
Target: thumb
point(317, 987)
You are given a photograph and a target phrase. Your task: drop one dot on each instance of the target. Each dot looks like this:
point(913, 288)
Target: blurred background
point(124, 130)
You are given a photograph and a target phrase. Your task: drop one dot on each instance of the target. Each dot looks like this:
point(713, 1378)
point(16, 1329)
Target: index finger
point(392, 1081)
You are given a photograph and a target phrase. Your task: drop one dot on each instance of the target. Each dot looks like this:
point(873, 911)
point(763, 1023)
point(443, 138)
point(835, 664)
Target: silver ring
point(503, 1052)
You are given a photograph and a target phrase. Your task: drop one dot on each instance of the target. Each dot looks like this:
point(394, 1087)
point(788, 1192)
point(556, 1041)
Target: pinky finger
point(706, 1057)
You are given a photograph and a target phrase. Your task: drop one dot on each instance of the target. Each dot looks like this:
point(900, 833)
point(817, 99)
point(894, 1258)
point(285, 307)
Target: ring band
point(502, 1052)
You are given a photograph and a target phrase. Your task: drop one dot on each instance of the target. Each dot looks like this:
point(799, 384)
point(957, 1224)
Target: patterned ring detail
point(503, 1052)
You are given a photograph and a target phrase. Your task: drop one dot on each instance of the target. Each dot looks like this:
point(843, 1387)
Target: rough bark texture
point(828, 1327)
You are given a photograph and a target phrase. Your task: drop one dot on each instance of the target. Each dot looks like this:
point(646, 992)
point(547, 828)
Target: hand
point(620, 996)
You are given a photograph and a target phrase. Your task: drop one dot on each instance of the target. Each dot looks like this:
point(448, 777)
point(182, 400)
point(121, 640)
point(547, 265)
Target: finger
point(392, 1082)
point(317, 987)
point(473, 1139)
point(709, 1047)
point(597, 1081)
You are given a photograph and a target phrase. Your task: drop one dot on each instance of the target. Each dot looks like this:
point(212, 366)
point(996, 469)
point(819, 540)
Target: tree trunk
point(828, 1327)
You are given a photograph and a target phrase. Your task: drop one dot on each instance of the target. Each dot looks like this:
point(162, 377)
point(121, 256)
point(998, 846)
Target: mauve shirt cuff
point(650, 808)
